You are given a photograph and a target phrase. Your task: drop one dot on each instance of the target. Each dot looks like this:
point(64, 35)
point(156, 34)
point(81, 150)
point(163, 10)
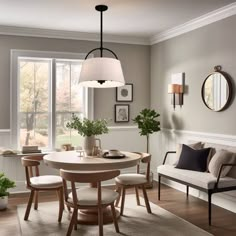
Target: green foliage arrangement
point(147, 123)
point(5, 184)
point(88, 127)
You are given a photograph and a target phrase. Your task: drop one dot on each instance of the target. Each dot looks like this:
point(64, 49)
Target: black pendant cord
point(101, 34)
point(101, 8)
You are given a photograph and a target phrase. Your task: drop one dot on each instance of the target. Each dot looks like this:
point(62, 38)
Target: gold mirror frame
point(217, 78)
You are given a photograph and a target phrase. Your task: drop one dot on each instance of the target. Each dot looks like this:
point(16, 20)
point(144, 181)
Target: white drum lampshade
point(101, 72)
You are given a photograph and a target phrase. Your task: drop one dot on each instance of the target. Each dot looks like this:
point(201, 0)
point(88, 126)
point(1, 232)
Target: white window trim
point(15, 53)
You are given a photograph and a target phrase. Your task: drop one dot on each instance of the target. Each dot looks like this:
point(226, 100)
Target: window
point(45, 93)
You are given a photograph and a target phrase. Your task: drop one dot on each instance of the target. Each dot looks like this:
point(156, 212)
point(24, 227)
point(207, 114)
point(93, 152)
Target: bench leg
point(187, 190)
point(209, 207)
point(159, 187)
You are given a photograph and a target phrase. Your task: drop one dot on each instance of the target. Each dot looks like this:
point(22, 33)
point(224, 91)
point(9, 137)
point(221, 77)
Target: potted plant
point(88, 129)
point(5, 184)
point(147, 123)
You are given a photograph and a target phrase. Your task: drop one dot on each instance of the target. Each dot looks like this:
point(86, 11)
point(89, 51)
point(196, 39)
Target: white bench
point(203, 181)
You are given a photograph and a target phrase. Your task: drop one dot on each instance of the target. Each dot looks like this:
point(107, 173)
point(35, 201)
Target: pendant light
point(101, 72)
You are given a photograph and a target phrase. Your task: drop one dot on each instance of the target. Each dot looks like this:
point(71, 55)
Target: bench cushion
point(201, 179)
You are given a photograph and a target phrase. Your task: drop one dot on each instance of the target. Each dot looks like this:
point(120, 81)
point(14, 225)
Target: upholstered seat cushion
point(46, 181)
point(131, 179)
point(89, 196)
point(201, 179)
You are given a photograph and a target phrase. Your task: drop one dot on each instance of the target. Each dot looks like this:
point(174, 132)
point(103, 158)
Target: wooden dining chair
point(89, 197)
point(135, 180)
point(36, 182)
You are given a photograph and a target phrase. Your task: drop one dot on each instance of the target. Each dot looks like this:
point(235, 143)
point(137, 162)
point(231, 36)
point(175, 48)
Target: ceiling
point(134, 18)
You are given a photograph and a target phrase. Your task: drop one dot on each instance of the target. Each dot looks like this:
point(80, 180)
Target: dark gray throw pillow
point(191, 159)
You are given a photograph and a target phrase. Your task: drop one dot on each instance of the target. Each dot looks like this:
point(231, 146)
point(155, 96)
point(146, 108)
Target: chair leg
point(61, 203)
point(100, 220)
point(68, 208)
point(36, 197)
point(122, 201)
point(159, 187)
point(27, 212)
point(137, 195)
point(146, 199)
point(76, 220)
point(114, 218)
point(118, 190)
point(187, 190)
point(72, 222)
point(209, 207)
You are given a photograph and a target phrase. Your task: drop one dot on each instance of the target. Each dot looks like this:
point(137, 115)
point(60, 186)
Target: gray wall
point(134, 60)
point(195, 53)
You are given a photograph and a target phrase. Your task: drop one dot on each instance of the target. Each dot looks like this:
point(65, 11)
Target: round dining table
point(72, 160)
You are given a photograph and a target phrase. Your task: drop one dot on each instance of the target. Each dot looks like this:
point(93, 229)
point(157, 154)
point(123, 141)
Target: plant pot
point(89, 143)
point(3, 202)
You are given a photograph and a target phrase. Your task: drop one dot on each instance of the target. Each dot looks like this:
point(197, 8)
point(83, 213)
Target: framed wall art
point(122, 113)
point(124, 93)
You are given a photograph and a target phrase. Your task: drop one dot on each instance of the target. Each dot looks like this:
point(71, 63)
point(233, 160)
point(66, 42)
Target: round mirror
point(217, 90)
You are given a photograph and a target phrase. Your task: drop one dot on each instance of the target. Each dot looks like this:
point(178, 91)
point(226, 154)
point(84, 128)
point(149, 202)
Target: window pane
point(65, 135)
point(69, 95)
point(34, 75)
point(69, 99)
point(76, 90)
point(34, 83)
point(34, 129)
point(62, 86)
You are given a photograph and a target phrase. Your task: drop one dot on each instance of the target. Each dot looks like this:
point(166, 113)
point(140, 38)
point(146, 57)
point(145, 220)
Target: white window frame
point(14, 85)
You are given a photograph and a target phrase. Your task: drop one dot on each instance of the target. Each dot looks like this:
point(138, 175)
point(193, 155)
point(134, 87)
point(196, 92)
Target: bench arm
point(221, 168)
point(169, 152)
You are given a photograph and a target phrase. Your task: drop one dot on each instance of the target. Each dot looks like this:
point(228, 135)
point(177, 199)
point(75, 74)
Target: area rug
point(135, 222)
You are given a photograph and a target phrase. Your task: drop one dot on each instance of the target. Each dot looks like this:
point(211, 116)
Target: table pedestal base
point(90, 217)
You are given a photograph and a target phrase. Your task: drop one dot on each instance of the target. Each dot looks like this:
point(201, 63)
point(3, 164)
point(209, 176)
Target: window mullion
point(53, 105)
point(70, 97)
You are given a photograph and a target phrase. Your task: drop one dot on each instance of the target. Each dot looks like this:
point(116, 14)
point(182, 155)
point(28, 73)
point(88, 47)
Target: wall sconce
point(176, 88)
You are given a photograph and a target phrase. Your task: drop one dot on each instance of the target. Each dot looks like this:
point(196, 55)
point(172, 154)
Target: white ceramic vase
point(3, 202)
point(89, 143)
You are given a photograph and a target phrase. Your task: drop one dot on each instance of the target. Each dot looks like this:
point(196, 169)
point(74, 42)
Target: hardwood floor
point(192, 209)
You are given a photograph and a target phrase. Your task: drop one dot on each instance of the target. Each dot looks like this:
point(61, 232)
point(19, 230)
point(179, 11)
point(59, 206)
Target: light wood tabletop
point(71, 160)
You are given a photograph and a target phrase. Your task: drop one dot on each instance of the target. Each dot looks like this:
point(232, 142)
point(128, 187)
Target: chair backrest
point(145, 158)
point(85, 177)
point(31, 164)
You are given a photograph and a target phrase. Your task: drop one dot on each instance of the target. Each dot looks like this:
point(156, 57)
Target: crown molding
point(196, 23)
point(64, 34)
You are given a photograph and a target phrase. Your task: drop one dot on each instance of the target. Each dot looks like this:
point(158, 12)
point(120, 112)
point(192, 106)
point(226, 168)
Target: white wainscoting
point(124, 138)
point(168, 139)
point(5, 138)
